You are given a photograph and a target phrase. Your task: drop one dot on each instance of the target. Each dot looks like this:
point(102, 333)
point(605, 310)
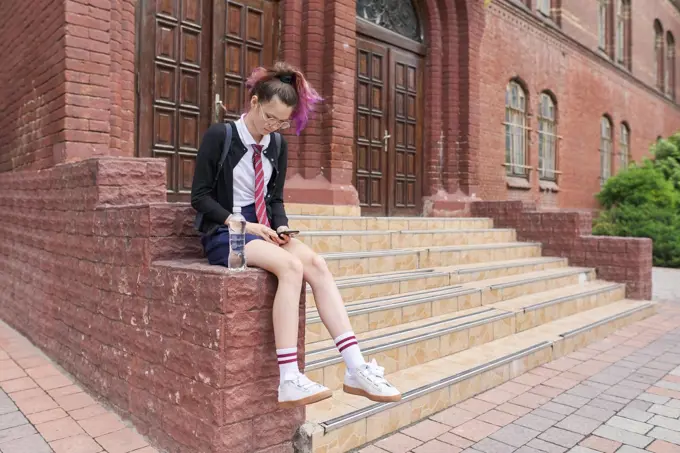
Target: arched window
point(515, 130)
point(547, 138)
point(544, 7)
point(659, 54)
point(605, 149)
point(624, 148)
point(399, 16)
point(669, 73)
point(622, 41)
point(602, 23)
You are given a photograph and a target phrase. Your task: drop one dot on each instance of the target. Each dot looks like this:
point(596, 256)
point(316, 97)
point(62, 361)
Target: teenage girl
point(253, 178)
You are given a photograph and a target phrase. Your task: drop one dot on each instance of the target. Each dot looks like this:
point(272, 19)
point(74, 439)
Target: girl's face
point(270, 116)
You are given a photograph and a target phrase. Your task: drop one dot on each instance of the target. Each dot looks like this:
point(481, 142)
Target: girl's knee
point(290, 267)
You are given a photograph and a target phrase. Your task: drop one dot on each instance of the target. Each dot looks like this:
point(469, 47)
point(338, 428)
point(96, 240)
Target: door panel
point(371, 124)
point(245, 38)
point(405, 143)
point(388, 137)
point(173, 83)
point(191, 50)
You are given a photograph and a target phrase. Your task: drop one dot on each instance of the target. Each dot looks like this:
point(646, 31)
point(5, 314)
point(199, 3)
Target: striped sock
point(288, 362)
point(349, 348)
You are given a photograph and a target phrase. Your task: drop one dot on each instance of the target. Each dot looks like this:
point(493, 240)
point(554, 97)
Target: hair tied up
point(286, 78)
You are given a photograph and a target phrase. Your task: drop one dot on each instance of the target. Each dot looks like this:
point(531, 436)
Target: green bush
point(644, 201)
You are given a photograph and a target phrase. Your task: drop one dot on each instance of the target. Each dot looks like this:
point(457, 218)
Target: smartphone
point(288, 233)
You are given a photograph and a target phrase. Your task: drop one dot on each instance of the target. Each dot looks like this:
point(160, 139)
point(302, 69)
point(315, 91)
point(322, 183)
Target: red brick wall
point(568, 234)
point(517, 44)
point(31, 82)
point(183, 349)
point(579, 20)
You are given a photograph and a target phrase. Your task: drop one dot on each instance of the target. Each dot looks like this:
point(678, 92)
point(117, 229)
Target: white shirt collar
point(246, 137)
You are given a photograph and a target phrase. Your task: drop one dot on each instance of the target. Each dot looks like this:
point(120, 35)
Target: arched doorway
point(388, 140)
point(191, 54)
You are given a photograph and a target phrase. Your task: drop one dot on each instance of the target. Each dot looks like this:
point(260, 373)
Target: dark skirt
point(216, 245)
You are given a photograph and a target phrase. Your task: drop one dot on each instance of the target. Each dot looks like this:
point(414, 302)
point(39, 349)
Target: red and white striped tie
point(260, 206)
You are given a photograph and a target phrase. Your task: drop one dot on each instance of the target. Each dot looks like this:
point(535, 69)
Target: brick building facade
point(415, 116)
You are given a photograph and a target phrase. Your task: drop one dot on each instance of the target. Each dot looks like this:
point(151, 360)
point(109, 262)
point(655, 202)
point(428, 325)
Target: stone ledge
point(567, 233)
point(116, 295)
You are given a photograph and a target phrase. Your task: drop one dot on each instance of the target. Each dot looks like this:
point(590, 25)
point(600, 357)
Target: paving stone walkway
point(621, 394)
point(42, 410)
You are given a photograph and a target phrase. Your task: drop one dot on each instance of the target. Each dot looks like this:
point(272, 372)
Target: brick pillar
point(326, 159)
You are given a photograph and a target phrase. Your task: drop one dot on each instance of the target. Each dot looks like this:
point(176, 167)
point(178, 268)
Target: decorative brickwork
point(98, 272)
point(568, 234)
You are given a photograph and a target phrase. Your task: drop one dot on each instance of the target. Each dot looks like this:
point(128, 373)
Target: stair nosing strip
point(407, 341)
point(604, 321)
point(501, 266)
point(408, 251)
point(392, 279)
point(557, 300)
point(568, 272)
point(405, 303)
point(358, 414)
point(493, 245)
point(349, 217)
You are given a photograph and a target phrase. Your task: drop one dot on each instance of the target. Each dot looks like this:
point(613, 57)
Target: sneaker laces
point(376, 373)
point(305, 383)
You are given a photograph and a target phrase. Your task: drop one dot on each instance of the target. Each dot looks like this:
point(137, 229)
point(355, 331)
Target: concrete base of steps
point(346, 422)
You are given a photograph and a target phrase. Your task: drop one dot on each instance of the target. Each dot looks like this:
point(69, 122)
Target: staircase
point(450, 307)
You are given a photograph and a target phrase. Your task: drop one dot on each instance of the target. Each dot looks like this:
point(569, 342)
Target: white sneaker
point(298, 390)
point(369, 380)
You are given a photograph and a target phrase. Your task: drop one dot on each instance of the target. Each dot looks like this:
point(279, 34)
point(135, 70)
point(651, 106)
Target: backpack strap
point(198, 221)
point(277, 140)
point(225, 152)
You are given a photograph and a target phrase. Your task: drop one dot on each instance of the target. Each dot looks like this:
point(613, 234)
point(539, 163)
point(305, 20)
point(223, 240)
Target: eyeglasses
point(272, 123)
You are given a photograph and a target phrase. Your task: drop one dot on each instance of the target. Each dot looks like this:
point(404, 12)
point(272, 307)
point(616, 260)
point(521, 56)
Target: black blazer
point(217, 205)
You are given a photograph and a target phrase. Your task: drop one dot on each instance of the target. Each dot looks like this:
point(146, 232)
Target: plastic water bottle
point(237, 239)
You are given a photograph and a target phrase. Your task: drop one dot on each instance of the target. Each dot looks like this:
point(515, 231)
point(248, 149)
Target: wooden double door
point(193, 58)
point(389, 123)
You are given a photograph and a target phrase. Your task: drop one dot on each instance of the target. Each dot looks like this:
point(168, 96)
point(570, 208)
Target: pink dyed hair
point(273, 80)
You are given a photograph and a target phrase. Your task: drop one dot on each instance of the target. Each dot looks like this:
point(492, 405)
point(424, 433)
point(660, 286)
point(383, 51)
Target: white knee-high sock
point(349, 348)
point(288, 362)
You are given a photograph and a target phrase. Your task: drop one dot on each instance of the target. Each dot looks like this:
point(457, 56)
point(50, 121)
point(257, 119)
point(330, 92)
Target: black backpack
point(198, 221)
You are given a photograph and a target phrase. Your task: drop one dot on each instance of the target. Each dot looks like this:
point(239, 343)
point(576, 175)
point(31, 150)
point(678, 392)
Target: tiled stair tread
point(402, 231)
point(462, 268)
point(452, 290)
point(570, 323)
point(388, 335)
point(514, 280)
point(532, 301)
point(411, 219)
point(477, 267)
point(399, 299)
point(431, 372)
point(422, 329)
point(376, 253)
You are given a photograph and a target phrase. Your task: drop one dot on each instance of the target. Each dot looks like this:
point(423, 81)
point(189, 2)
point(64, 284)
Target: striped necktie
point(260, 206)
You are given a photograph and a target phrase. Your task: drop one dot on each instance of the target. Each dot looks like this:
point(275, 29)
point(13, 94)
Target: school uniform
point(236, 184)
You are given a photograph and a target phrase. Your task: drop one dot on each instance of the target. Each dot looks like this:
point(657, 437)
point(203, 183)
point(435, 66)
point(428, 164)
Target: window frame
point(606, 149)
point(625, 156)
point(516, 132)
point(547, 138)
point(602, 24)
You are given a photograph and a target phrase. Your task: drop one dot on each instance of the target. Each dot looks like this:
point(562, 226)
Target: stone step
point(377, 313)
point(345, 422)
point(329, 223)
point(392, 283)
point(381, 261)
point(335, 241)
point(417, 342)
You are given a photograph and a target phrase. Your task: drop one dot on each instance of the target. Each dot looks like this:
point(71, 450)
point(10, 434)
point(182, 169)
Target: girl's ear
point(253, 102)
